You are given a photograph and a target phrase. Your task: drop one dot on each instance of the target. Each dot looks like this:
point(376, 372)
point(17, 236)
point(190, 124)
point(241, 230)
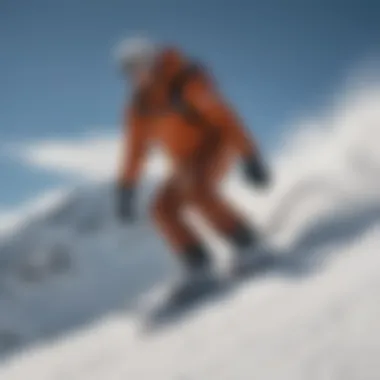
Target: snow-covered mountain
point(70, 275)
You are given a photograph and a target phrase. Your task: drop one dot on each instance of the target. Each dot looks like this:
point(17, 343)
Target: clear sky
point(275, 59)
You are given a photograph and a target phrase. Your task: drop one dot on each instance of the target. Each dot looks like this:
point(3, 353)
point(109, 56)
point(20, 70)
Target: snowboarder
point(176, 103)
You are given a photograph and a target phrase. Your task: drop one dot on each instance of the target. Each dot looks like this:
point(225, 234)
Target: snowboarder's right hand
point(125, 203)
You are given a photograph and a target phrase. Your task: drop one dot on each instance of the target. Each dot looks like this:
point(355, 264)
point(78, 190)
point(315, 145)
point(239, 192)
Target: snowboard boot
point(196, 276)
point(246, 244)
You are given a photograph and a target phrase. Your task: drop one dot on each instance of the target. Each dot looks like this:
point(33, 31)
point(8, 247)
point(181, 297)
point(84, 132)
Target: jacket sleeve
point(134, 148)
point(202, 94)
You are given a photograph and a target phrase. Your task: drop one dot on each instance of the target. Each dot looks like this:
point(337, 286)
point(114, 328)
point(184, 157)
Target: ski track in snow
point(67, 312)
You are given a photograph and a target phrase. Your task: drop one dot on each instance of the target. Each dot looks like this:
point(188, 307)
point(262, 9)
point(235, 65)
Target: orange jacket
point(174, 132)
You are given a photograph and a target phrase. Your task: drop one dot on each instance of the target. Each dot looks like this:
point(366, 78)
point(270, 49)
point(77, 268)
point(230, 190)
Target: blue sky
point(275, 60)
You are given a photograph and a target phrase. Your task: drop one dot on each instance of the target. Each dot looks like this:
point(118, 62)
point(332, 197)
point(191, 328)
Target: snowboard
point(167, 307)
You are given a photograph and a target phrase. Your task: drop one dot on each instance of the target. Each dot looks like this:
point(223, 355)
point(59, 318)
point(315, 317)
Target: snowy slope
point(69, 276)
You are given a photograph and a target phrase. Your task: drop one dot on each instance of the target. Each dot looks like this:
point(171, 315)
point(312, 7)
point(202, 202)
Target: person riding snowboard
point(177, 104)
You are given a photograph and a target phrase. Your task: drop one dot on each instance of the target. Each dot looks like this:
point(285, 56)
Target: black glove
point(125, 203)
point(256, 172)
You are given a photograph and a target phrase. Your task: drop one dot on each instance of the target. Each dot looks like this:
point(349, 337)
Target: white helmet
point(135, 52)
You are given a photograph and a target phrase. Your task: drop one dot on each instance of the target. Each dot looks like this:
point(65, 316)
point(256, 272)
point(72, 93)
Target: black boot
point(197, 274)
point(247, 255)
point(243, 238)
point(195, 257)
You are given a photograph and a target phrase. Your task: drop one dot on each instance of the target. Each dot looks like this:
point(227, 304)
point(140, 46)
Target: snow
point(71, 274)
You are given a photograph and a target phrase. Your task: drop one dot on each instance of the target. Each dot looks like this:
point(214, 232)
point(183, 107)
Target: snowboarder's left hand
point(125, 203)
point(256, 172)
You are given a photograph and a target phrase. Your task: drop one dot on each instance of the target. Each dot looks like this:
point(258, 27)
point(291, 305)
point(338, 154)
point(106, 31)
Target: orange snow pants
point(195, 184)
